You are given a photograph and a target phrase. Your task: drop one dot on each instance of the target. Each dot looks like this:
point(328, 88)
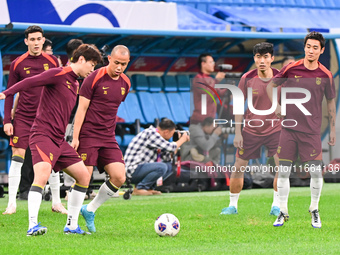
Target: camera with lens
point(225, 67)
point(177, 132)
point(183, 131)
point(228, 130)
point(103, 51)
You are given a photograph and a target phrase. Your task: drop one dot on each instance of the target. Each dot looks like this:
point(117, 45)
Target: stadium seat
point(319, 3)
point(148, 106)
point(170, 83)
point(4, 82)
point(183, 82)
point(155, 83)
point(188, 107)
point(123, 113)
point(161, 105)
point(176, 107)
point(133, 108)
point(140, 82)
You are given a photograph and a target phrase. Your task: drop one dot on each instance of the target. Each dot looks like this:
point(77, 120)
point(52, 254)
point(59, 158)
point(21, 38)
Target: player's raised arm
point(238, 140)
point(2, 96)
point(28, 83)
point(79, 120)
point(331, 116)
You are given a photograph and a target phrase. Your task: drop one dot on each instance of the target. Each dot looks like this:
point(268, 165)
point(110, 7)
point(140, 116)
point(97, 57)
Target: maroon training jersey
point(58, 98)
point(21, 68)
point(106, 95)
point(319, 82)
point(261, 101)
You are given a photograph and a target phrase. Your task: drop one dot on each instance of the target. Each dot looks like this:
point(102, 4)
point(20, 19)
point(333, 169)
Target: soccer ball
point(167, 225)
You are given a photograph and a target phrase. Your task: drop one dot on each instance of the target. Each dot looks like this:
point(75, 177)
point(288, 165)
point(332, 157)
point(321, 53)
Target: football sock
point(283, 185)
point(234, 199)
point(107, 190)
point(54, 182)
point(14, 176)
point(316, 183)
point(34, 201)
point(75, 200)
point(276, 201)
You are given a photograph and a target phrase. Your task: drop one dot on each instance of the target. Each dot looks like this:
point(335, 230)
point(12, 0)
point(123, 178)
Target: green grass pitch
point(127, 226)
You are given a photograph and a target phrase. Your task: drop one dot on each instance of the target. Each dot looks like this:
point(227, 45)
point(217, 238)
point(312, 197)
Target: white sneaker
point(10, 209)
point(282, 218)
point(316, 221)
point(59, 208)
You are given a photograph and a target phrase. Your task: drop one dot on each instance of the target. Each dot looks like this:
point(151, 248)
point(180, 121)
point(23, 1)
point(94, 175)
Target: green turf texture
point(127, 226)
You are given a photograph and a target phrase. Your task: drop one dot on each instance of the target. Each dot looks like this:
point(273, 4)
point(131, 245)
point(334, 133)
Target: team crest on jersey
point(83, 156)
point(46, 67)
point(15, 139)
point(123, 91)
point(51, 156)
point(318, 81)
point(279, 149)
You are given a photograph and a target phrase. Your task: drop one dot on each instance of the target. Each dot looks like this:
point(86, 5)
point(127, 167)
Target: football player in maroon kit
point(94, 128)
point(250, 140)
point(33, 62)
point(301, 137)
point(47, 143)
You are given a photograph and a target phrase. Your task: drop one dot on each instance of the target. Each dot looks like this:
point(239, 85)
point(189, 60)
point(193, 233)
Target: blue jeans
point(146, 175)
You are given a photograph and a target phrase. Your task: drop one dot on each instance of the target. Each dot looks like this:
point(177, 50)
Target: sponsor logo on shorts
point(123, 91)
point(26, 68)
point(46, 67)
point(241, 151)
point(15, 139)
point(318, 81)
point(51, 156)
point(83, 156)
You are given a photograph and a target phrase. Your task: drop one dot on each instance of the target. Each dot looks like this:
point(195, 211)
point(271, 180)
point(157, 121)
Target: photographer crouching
point(148, 156)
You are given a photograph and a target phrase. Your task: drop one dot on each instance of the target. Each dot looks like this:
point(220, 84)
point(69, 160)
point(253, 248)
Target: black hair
point(208, 121)
point(33, 29)
point(89, 52)
point(47, 43)
point(167, 124)
point(263, 48)
point(71, 46)
point(202, 58)
point(315, 36)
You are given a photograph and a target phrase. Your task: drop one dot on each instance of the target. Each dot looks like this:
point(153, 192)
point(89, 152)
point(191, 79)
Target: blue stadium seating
point(140, 82)
point(183, 82)
point(162, 106)
point(155, 83)
point(123, 113)
point(170, 83)
point(133, 109)
point(148, 106)
point(188, 107)
point(176, 107)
